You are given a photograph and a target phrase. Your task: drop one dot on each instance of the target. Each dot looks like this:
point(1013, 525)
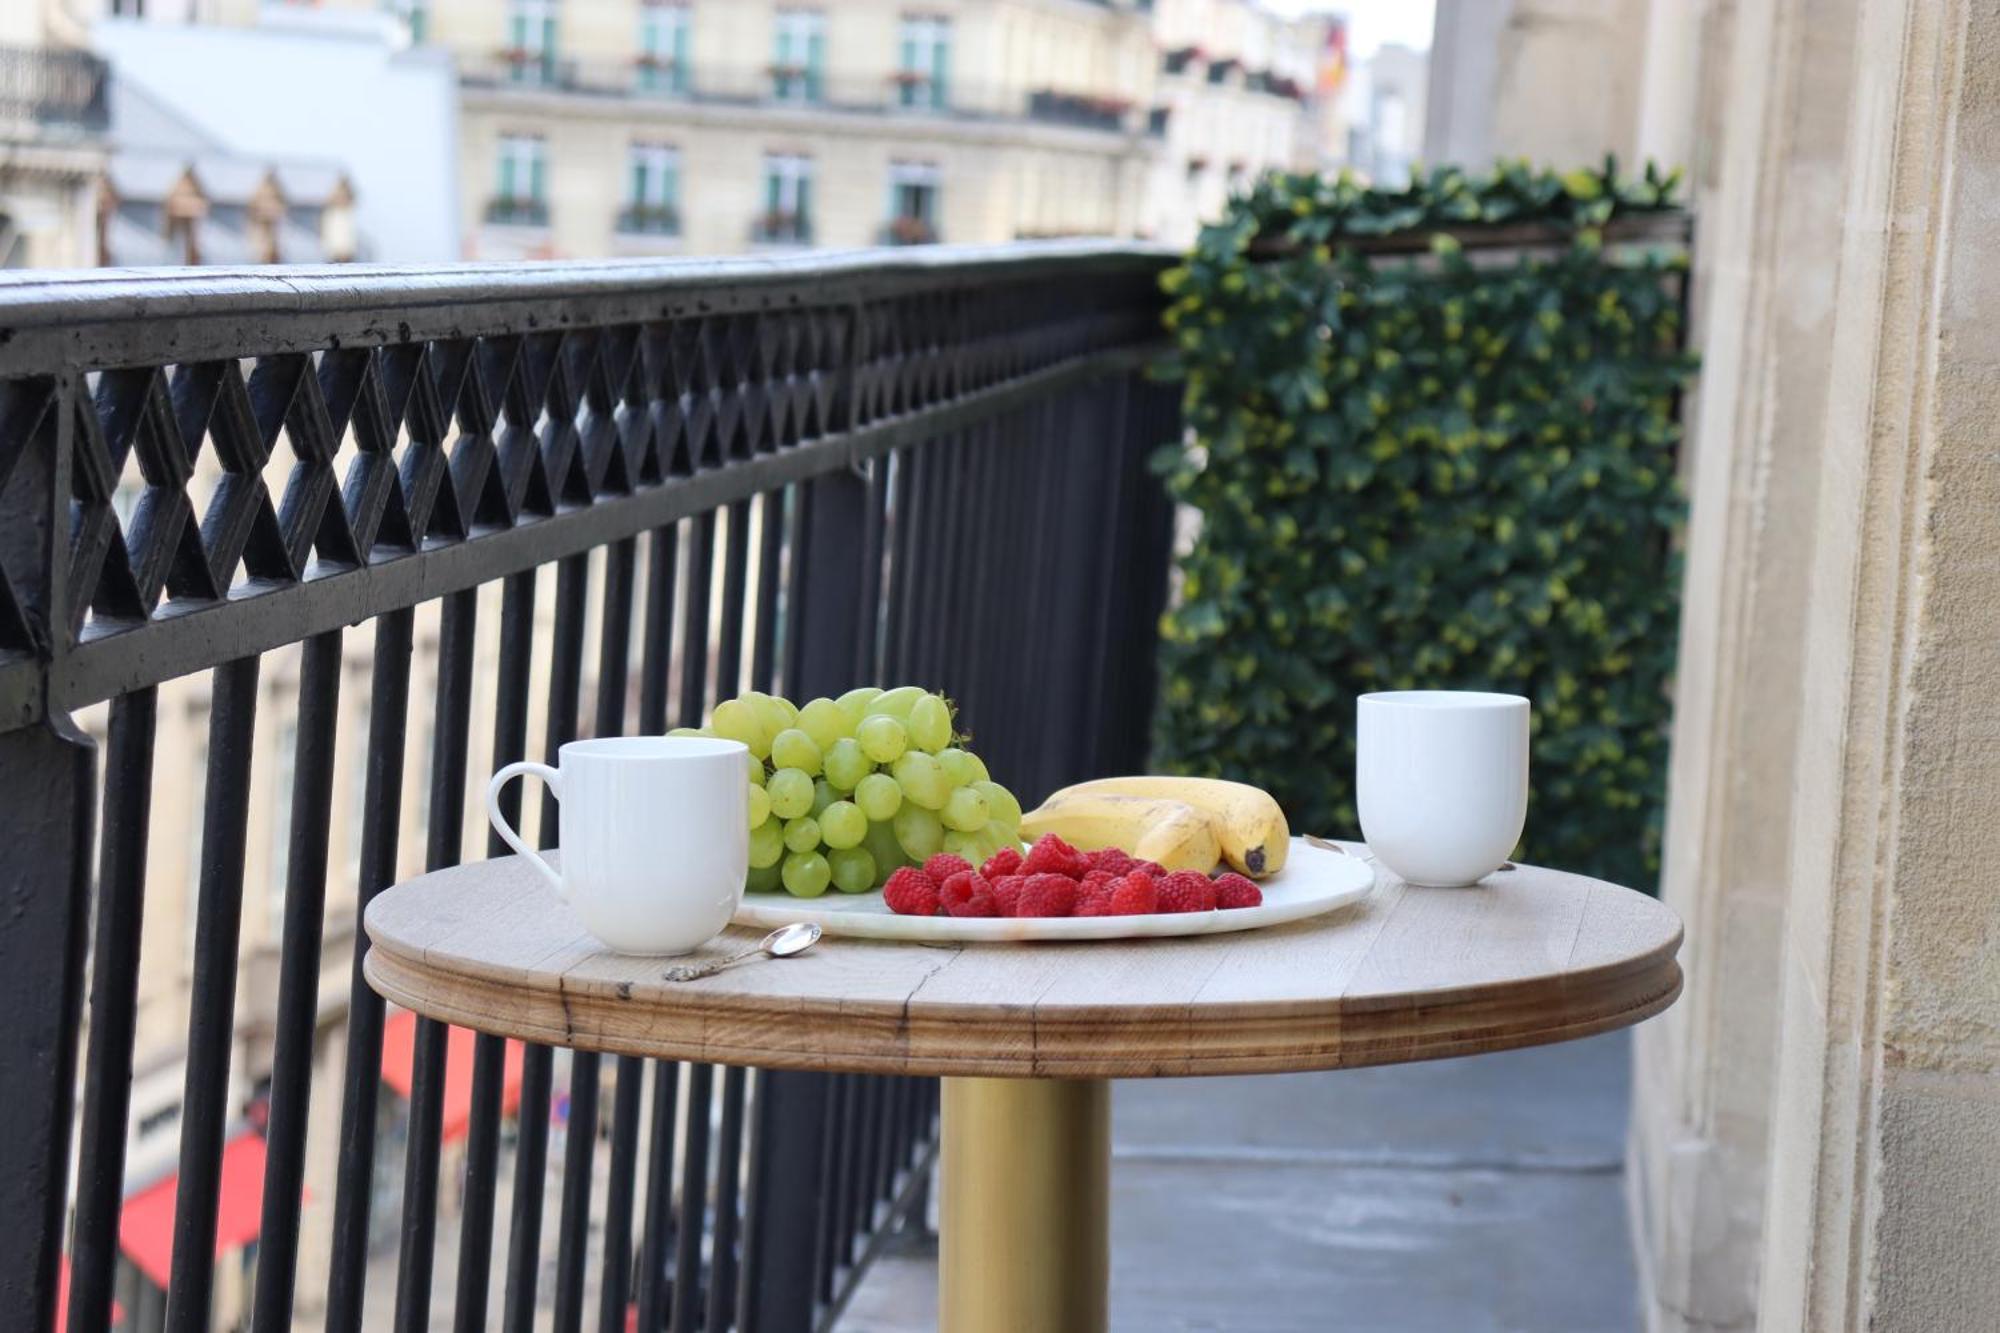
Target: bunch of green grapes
point(843, 791)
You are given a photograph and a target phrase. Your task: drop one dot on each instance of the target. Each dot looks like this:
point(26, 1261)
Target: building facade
point(53, 116)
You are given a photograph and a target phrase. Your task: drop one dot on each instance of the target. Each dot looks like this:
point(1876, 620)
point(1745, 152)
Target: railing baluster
point(489, 1054)
point(389, 696)
point(573, 1227)
point(446, 836)
point(114, 1002)
point(659, 1234)
point(212, 1017)
point(688, 1284)
point(524, 1241)
point(728, 1164)
point(298, 983)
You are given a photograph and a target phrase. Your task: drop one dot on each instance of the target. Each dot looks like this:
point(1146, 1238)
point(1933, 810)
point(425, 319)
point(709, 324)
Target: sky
point(1370, 23)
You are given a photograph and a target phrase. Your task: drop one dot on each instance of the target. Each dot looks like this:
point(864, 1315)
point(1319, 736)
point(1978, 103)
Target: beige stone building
point(1817, 1133)
point(53, 111)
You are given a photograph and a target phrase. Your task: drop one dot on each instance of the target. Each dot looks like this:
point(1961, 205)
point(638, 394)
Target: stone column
point(1886, 1126)
point(1769, 131)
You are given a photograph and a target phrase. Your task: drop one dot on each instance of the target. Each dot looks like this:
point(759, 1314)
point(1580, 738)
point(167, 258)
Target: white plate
point(1313, 881)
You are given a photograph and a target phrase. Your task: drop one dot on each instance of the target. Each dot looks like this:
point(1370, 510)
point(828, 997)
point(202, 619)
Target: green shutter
point(639, 180)
point(805, 202)
point(940, 63)
point(506, 190)
point(537, 168)
point(670, 183)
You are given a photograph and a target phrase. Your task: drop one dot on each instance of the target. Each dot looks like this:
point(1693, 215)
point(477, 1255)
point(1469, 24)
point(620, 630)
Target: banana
point(1173, 833)
point(1248, 823)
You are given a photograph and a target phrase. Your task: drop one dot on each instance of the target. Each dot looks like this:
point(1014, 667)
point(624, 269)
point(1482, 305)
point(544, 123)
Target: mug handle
point(524, 768)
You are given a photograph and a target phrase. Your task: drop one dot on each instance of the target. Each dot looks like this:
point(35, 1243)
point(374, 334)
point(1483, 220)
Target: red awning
point(399, 1054)
point(146, 1230)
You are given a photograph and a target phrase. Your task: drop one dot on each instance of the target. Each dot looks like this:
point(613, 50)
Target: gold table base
point(1025, 1205)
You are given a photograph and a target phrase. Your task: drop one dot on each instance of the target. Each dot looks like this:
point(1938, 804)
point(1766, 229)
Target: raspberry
point(1112, 860)
point(1094, 902)
point(1096, 878)
point(1186, 891)
point(1047, 895)
point(1006, 861)
point(1052, 856)
point(1007, 894)
point(1233, 890)
point(911, 892)
point(1135, 895)
point(966, 894)
point(944, 865)
point(1153, 868)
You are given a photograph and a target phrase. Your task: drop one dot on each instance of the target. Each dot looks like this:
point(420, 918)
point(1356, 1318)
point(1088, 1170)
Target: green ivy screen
point(1450, 469)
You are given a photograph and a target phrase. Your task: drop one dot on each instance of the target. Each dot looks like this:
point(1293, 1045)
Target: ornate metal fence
point(798, 474)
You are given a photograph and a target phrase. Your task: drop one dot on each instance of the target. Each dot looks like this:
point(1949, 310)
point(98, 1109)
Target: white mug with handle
point(655, 836)
point(1441, 779)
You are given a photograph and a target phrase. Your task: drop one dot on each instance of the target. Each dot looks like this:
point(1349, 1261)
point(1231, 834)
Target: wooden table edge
point(1236, 1038)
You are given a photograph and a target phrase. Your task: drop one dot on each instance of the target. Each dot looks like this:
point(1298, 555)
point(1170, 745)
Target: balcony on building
point(54, 90)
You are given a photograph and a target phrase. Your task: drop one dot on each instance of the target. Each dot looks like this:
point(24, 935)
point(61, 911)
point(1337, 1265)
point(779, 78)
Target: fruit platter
point(871, 816)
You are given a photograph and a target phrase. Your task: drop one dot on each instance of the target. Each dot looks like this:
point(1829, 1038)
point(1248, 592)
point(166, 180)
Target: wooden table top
point(1529, 956)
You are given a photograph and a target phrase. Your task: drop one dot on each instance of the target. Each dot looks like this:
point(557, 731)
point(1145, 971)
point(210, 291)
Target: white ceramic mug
point(1441, 778)
point(655, 836)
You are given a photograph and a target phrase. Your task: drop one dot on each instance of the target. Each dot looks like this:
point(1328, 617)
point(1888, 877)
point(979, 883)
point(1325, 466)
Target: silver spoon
point(783, 942)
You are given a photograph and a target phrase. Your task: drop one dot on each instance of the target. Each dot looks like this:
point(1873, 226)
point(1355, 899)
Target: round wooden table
point(1028, 1036)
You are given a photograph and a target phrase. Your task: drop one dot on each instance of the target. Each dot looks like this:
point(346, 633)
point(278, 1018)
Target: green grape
point(854, 704)
point(923, 780)
point(930, 723)
point(896, 703)
point(878, 796)
point(692, 731)
point(853, 869)
point(1006, 811)
point(823, 796)
point(806, 874)
point(801, 834)
point(845, 763)
point(791, 793)
point(770, 713)
point(767, 843)
point(765, 879)
point(964, 810)
point(882, 845)
point(918, 832)
point(792, 748)
point(760, 805)
point(734, 720)
point(962, 767)
point(822, 720)
point(995, 836)
point(960, 843)
point(843, 825)
point(883, 739)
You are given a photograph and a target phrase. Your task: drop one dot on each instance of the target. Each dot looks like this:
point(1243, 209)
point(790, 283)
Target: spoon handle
point(696, 971)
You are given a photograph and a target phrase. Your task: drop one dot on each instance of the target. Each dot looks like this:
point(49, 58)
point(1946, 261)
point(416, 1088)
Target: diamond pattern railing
point(937, 461)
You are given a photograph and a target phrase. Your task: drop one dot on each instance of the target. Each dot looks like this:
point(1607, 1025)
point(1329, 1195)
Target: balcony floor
point(1477, 1194)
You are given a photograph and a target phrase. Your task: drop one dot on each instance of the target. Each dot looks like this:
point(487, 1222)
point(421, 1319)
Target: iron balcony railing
point(67, 89)
point(366, 486)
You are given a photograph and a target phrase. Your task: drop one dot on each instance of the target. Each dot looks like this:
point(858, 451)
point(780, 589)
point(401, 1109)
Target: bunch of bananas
point(1180, 823)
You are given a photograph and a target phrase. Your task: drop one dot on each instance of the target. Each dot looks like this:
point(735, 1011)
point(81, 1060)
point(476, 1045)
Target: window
point(799, 60)
point(531, 40)
point(653, 196)
point(923, 61)
point(913, 203)
point(414, 14)
point(663, 47)
point(128, 9)
point(519, 197)
point(787, 217)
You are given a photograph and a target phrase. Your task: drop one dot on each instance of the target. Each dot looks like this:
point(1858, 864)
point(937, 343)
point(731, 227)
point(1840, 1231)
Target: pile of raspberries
point(1055, 879)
